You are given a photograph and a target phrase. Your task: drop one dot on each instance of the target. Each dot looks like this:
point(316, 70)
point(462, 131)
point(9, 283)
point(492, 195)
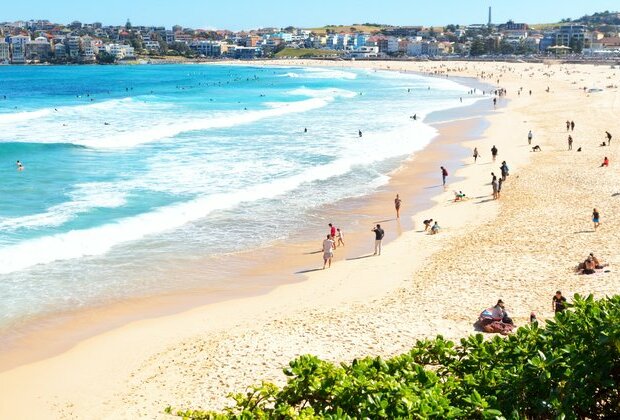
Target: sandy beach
point(521, 248)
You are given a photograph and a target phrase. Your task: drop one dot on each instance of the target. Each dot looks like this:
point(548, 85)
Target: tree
point(105, 57)
point(576, 45)
point(477, 48)
point(506, 47)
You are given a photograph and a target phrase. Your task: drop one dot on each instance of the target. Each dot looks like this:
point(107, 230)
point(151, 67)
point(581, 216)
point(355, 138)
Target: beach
point(521, 248)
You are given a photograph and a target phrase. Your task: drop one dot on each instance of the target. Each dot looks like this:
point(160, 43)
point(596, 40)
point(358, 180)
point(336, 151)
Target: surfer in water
point(359, 132)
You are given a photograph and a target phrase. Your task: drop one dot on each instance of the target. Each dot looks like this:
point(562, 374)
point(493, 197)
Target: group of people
point(496, 183)
point(431, 226)
point(335, 238)
point(590, 265)
point(496, 319)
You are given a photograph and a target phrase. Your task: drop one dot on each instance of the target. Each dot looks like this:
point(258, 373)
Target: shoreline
point(61, 331)
point(420, 287)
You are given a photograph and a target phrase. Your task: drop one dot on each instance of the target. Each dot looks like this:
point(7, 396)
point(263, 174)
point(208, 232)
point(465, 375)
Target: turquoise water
point(127, 168)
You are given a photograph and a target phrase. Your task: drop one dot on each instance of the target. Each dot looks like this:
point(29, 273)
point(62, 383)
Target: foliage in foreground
point(570, 368)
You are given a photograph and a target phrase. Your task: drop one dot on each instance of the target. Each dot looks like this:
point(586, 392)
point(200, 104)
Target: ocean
point(130, 171)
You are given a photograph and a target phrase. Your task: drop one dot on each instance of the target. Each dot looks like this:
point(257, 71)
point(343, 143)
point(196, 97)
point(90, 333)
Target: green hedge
point(570, 368)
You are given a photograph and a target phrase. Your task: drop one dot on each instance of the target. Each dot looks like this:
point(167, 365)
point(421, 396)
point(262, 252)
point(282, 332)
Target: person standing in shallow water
point(476, 154)
point(444, 175)
point(397, 203)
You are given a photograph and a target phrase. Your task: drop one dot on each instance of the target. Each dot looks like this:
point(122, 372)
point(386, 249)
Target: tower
point(489, 23)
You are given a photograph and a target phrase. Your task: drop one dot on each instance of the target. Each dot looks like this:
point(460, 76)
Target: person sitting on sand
point(598, 265)
point(427, 224)
point(496, 319)
point(589, 266)
point(605, 162)
point(435, 229)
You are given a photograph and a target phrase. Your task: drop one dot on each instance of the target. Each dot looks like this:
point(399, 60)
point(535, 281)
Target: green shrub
point(570, 368)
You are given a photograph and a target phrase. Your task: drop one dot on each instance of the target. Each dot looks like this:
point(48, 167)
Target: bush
point(568, 369)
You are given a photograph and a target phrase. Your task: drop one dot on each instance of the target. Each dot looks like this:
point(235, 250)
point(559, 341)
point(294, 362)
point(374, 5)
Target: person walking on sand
point(379, 234)
point(494, 152)
point(340, 237)
point(608, 134)
point(500, 182)
point(596, 219)
point(567, 125)
point(397, 202)
point(572, 126)
point(332, 230)
point(444, 175)
point(529, 137)
point(495, 186)
point(476, 154)
point(570, 142)
point(328, 251)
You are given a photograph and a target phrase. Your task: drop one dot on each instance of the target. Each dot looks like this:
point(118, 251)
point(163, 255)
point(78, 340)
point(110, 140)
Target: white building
point(120, 51)
point(18, 48)
point(5, 55)
point(364, 52)
point(89, 50)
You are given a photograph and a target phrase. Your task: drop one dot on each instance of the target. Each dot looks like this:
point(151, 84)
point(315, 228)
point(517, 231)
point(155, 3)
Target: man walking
point(529, 137)
point(379, 233)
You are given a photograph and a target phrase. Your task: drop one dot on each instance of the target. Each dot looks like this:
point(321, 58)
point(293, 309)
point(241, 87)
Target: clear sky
point(247, 14)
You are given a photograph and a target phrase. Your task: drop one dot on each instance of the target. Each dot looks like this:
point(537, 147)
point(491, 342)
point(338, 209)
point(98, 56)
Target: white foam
point(99, 240)
point(82, 199)
point(321, 73)
point(9, 118)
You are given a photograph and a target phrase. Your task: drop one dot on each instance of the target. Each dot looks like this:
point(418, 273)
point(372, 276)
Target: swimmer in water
point(359, 132)
point(20, 167)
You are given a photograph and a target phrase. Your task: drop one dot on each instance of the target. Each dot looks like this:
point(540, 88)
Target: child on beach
point(340, 237)
point(435, 228)
point(596, 217)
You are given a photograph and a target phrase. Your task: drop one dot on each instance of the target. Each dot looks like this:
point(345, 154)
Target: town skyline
point(226, 16)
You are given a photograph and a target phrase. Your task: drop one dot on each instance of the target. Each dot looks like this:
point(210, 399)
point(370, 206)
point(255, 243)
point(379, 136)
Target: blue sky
point(246, 14)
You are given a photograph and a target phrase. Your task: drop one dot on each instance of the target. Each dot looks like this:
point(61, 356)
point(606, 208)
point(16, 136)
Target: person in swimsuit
point(340, 237)
point(596, 218)
point(397, 203)
point(427, 224)
point(476, 154)
point(328, 251)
